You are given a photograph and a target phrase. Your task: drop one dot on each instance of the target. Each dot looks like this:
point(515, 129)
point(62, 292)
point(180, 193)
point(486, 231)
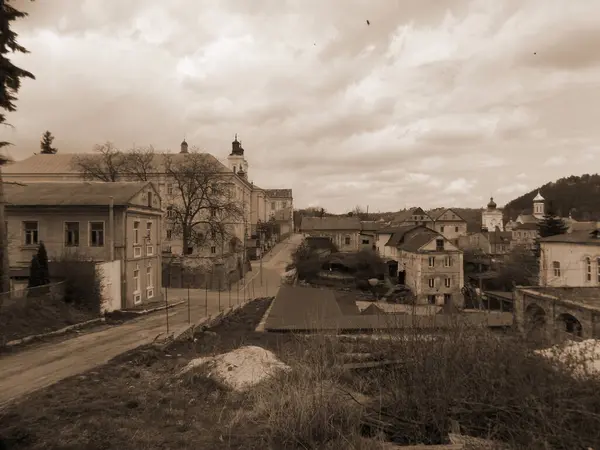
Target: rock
point(241, 368)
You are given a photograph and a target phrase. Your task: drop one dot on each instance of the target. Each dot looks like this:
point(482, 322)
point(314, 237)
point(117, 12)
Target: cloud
point(434, 103)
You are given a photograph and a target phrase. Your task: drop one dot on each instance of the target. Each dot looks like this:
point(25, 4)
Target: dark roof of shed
point(71, 194)
point(330, 224)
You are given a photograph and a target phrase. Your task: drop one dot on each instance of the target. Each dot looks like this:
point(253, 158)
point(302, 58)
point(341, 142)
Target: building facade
point(491, 218)
point(93, 221)
point(344, 232)
point(570, 259)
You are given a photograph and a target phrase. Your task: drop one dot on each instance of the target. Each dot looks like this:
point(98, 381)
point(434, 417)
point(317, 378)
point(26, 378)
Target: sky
point(435, 103)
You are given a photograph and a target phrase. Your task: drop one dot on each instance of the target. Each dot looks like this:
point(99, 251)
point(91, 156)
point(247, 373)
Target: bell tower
point(236, 160)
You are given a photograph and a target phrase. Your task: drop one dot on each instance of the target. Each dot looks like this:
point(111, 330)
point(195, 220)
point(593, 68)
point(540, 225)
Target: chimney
point(184, 147)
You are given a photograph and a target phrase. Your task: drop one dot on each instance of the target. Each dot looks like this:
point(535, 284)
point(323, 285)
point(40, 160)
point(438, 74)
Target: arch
point(569, 324)
point(535, 322)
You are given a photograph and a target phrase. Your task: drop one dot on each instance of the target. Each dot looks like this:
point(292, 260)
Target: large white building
point(491, 218)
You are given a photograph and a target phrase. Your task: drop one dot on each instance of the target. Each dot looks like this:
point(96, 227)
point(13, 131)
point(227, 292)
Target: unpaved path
point(40, 366)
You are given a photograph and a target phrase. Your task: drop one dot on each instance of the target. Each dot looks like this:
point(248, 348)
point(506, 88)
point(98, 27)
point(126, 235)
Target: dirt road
point(46, 364)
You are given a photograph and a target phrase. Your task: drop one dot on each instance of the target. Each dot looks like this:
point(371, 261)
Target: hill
point(579, 195)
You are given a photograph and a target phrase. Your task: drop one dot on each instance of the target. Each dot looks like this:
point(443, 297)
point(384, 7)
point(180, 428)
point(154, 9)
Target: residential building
point(570, 259)
point(368, 235)
point(525, 234)
point(430, 265)
point(445, 221)
point(281, 205)
point(450, 225)
point(344, 232)
point(491, 218)
point(92, 220)
point(387, 249)
point(495, 243)
point(61, 167)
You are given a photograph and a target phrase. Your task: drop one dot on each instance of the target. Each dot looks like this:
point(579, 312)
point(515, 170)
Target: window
point(136, 279)
point(442, 229)
point(447, 282)
point(432, 261)
point(136, 233)
point(431, 299)
point(71, 234)
point(213, 212)
point(169, 235)
point(588, 265)
point(149, 281)
point(439, 245)
point(447, 299)
point(96, 234)
point(283, 204)
point(272, 205)
point(170, 212)
point(149, 199)
point(347, 240)
point(149, 250)
point(431, 282)
point(149, 230)
point(31, 233)
point(456, 229)
point(447, 261)
point(169, 189)
point(213, 249)
point(365, 241)
point(556, 267)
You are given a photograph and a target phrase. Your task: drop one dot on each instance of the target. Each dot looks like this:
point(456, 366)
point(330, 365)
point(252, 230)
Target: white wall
point(573, 264)
point(110, 272)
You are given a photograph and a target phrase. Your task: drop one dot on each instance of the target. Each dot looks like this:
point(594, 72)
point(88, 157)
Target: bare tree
point(203, 206)
point(110, 164)
point(140, 163)
point(107, 164)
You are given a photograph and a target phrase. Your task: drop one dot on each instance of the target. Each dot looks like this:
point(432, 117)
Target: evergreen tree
point(10, 82)
point(46, 144)
point(35, 273)
point(42, 257)
point(551, 224)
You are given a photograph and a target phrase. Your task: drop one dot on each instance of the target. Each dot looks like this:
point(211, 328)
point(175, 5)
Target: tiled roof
point(576, 237)
point(438, 213)
point(330, 224)
point(63, 163)
point(528, 218)
point(279, 193)
point(71, 194)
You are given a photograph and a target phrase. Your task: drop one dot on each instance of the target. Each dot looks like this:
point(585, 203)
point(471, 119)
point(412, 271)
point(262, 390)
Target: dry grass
point(36, 315)
point(494, 386)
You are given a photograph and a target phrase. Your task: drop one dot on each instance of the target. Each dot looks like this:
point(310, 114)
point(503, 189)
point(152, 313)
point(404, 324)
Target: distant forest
point(579, 195)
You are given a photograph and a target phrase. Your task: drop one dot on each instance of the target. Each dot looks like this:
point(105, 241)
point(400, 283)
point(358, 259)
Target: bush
point(83, 282)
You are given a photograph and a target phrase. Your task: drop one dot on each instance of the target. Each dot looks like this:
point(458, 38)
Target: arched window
point(588, 268)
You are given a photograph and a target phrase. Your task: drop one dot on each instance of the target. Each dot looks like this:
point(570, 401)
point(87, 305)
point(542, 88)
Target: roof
point(499, 237)
point(280, 193)
point(584, 226)
point(528, 218)
point(71, 194)
point(398, 233)
point(576, 237)
point(370, 226)
point(538, 197)
point(527, 226)
point(63, 163)
point(436, 214)
point(330, 224)
point(417, 238)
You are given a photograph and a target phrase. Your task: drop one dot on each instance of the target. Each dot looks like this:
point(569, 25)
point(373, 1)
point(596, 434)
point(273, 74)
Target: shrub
point(83, 282)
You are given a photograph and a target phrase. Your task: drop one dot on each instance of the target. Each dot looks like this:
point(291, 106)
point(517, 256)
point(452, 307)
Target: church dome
point(492, 203)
